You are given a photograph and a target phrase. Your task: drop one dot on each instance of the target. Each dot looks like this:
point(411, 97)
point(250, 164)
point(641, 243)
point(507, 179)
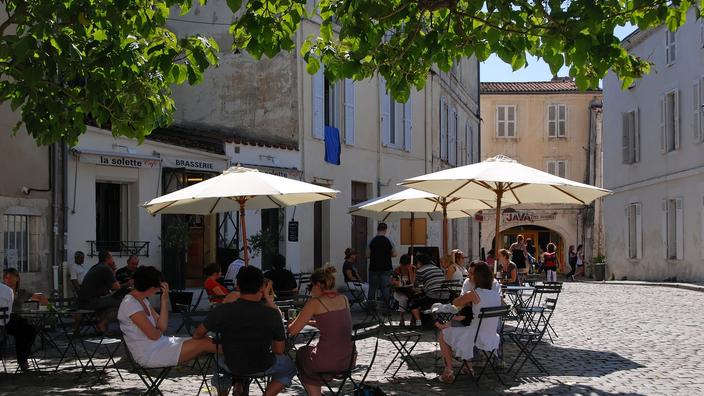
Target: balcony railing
point(120, 248)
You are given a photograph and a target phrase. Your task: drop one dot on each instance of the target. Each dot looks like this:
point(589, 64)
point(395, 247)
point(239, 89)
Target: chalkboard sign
point(293, 231)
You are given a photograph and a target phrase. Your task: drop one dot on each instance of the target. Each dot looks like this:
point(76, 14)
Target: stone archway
point(542, 231)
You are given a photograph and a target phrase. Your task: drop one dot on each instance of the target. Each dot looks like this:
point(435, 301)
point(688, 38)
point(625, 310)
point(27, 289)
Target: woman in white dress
point(460, 340)
point(453, 271)
point(143, 328)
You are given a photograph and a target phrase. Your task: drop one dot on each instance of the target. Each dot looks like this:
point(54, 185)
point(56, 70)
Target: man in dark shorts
point(429, 278)
point(380, 252)
point(95, 291)
point(252, 336)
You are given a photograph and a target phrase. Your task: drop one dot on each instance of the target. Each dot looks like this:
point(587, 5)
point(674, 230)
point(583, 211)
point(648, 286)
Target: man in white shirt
point(78, 270)
point(7, 297)
point(234, 268)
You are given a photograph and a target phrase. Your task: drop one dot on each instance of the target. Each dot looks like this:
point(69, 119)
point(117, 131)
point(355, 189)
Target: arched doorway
point(541, 236)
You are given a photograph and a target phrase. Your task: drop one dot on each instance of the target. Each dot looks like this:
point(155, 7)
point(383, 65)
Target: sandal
point(448, 377)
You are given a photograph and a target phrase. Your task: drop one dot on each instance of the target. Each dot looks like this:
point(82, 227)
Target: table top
point(47, 312)
point(516, 288)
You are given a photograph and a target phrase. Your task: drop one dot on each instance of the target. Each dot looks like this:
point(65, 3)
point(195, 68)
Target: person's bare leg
point(416, 314)
point(313, 390)
point(274, 388)
point(194, 348)
point(223, 392)
point(446, 352)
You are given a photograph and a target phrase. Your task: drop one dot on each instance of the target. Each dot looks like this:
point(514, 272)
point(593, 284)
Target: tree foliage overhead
point(402, 39)
point(111, 62)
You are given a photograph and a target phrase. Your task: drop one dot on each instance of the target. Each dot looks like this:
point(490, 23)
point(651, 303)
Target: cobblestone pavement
point(613, 340)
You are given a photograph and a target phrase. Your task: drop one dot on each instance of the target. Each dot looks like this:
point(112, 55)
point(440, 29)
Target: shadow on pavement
point(565, 389)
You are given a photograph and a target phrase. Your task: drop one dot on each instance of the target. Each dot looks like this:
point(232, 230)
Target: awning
point(111, 158)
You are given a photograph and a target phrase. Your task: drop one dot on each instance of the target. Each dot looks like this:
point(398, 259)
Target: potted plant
point(598, 267)
point(174, 240)
point(263, 242)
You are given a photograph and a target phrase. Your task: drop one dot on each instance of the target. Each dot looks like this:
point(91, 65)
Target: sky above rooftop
point(494, 69)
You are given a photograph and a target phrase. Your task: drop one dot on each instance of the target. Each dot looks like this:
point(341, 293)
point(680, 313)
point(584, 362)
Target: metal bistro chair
point(450, 289)
point(358, 295)
point(528, 337)
point(304, 282)
point(152, 380)
point(360, 331)
point(245, 380)
point(500, 312)
point(403, 340)
point(4, 318)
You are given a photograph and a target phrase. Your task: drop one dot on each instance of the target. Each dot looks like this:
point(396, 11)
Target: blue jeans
point(379, 280)
point(283, 370)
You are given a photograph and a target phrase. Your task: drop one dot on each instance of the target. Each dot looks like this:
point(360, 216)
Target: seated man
point(77, 270)
point(234, 268)
point(352, 278)
point(251, 346)
point(429, 278)
point(95, 292)
point(283, 279)
point(124, 275)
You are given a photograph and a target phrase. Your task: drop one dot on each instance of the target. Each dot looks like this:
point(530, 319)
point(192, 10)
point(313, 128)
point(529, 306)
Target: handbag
point(368, 390)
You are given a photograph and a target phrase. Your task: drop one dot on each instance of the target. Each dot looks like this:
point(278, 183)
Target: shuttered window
point(506, 121)
point(557, 120)
point(631, 137)
point(634, 231)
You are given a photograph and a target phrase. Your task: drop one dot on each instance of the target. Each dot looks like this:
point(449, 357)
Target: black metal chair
point(303, 282)
point(4, 318)
point(500, 312)
point(529, 336)
point(403, 340)
point(151, 377)
point(239, 380)
point(358, 295)
point(360, 331)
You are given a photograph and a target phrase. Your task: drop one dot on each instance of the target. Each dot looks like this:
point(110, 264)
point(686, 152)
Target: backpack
point(550, 261)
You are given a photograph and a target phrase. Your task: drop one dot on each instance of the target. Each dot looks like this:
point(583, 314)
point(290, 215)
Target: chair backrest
point(550, 303)
point(228, 283)
point(303, 282)
point(4, 316)
point(500, 312)
point(180, 300)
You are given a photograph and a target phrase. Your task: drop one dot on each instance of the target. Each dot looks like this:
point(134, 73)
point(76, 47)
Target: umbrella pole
point(412, 219)
point(497, 238)
point(444, 227)
point(243, 226)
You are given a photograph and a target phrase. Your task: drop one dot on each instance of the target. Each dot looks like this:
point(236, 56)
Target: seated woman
point(509, 271)
point(23, 331)
point(216, 291)
point(460, 340)
point(404, 277)
point(334, 321)
point(143, 328)
point(453, 271)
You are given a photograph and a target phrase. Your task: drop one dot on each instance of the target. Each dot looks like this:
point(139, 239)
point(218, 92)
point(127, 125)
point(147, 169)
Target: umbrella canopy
point(421, 203)
point(502, 179)
point(415, 202)
point(236, 188)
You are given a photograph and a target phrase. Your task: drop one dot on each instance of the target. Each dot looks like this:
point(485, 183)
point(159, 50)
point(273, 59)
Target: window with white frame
point(506, 121)
point(20, 242)
point(328, 104)
point(631, 137)
point(331, 112)
point(557, 120)
point(673, 228)
point(349, 111)
point(670, 47)
point(634, 231)
point(396, 120)
point(670, 122)
point(557, 167)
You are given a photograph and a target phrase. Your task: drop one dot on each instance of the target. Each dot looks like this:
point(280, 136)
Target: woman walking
point(572, 257)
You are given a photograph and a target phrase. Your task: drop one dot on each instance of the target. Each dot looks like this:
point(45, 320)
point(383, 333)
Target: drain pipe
point(63, 270)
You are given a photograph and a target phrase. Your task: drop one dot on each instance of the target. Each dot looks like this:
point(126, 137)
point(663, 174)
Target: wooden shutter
point(562, 168)
point(511, 121)
point(663, 222)
point(625, 138)
point(636, 136)
point(676, 116)
point(552, 120)
point(562, 120)
point(663, 129)
point(469, 142)
point(319, 104)
point(500, 121)
point(679, 228)
point(627, 231)
point(452, 139)
point(408, 125)
point(696, 110)
point(349, 111)
point(552, 168)
point(639, 232)
point(385, 109)
point(443, 128)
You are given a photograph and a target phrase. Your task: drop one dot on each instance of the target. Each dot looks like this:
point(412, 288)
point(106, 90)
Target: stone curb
point(686, 286)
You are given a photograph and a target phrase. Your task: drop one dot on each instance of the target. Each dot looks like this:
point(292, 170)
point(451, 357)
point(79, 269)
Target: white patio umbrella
point(234, 189)
point(412, 202)
point(502, 180)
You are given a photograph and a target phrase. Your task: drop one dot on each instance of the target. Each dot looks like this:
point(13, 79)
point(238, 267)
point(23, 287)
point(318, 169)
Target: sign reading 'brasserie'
point(193, 164)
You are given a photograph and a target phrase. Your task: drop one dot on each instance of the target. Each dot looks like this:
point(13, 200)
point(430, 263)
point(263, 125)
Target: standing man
point(78, 270)
point(380, 252)
point(124, 274)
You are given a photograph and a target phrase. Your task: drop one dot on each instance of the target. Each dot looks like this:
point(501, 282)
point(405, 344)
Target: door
point(317, 235)
point(109, 216)
point(360, 228)
point(270, 229)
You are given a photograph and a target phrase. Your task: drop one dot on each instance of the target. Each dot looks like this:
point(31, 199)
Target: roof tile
point(560, 84)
